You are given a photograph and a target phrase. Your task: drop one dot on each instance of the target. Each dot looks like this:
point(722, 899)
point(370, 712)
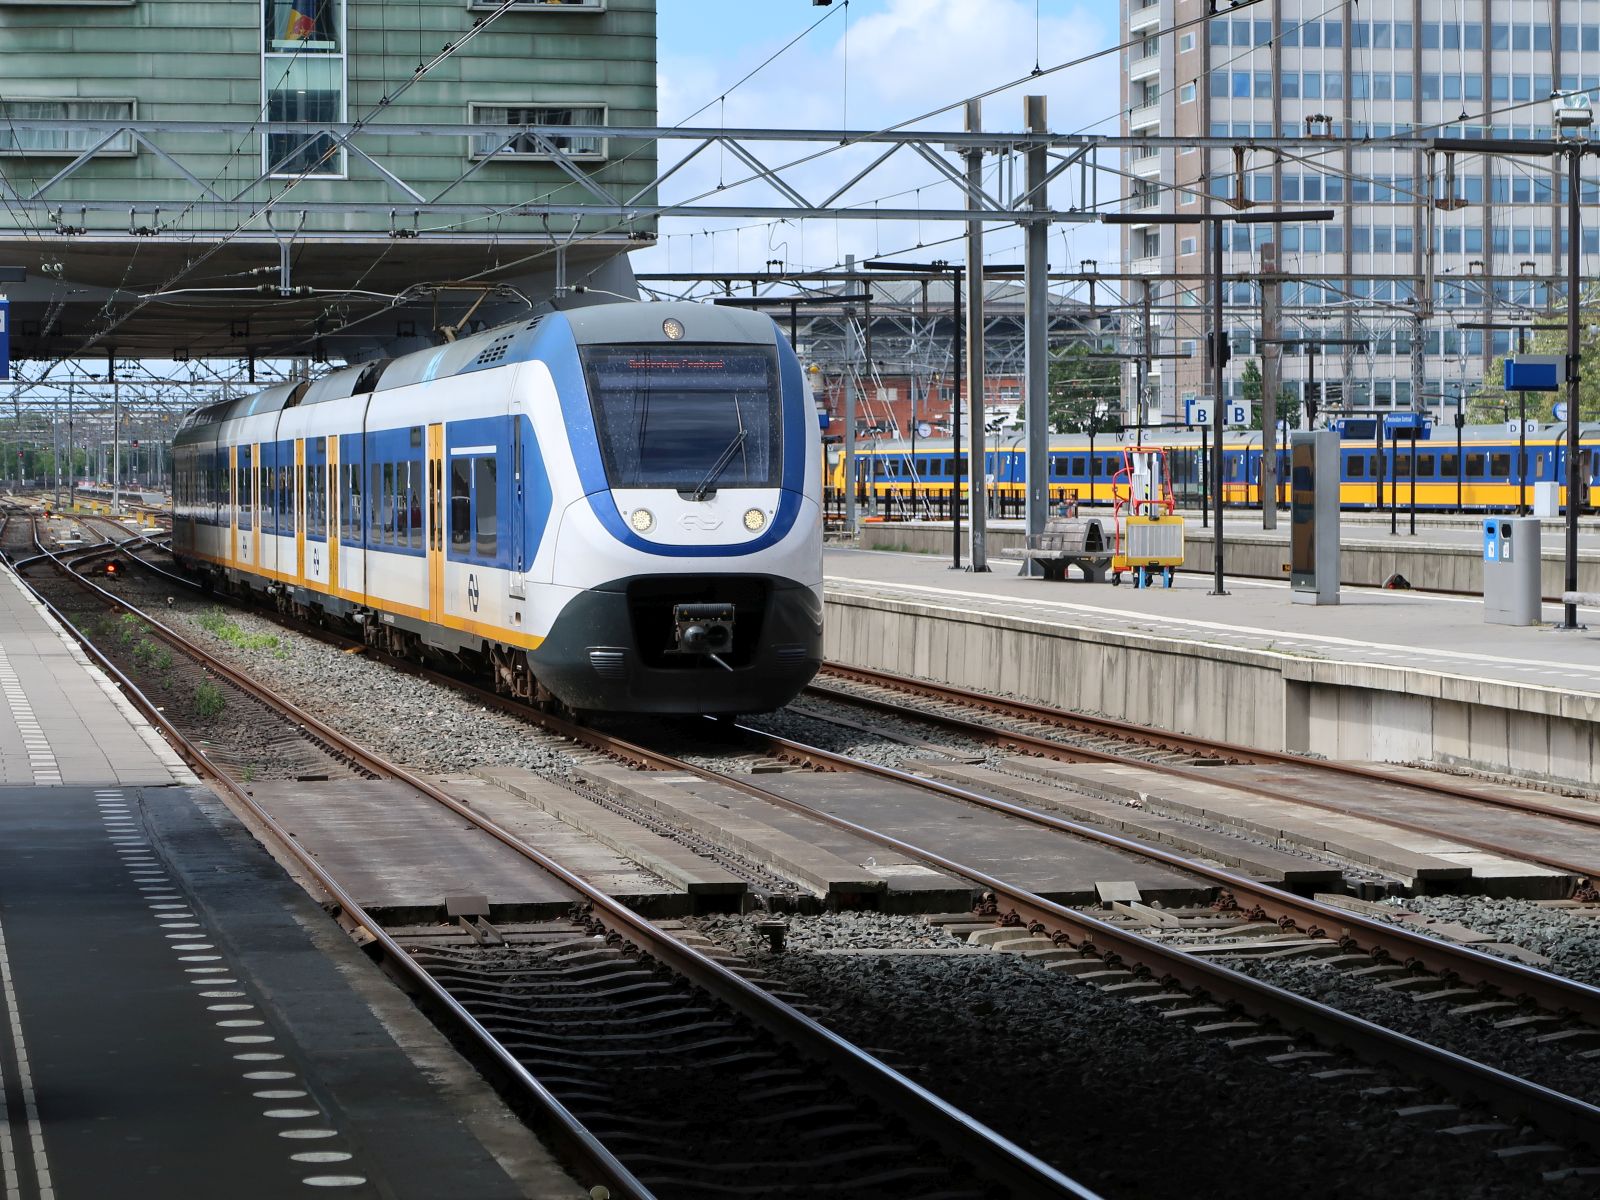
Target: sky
point(869, 64)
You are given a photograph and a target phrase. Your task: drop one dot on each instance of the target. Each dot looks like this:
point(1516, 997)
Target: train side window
point(1377, 466)
point(1355, 466)
point(352, 504)
point(1500, 466)
point(1474, 466)
point(460, 500)
point(1077, 467)
point(413, 470)
point(402, 504)
point(484, 474)
point(1425, 464)
point(375, 505)
point(1447, 466)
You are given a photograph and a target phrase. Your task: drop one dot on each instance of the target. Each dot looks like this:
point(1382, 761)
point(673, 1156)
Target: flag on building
point(299, 26)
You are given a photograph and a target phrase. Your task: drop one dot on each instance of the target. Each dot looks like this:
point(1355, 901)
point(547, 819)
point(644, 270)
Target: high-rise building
point(1380, 68)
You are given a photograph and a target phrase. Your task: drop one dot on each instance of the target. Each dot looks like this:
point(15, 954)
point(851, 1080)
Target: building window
point(1185, 43)
point(18, 135)
point(550, 118)
point(1186, 94)
point(575, 5)
point(303, 83)
point(1186, 246)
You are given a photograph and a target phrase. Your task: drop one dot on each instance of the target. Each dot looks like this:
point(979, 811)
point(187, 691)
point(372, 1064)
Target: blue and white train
point(617, 508)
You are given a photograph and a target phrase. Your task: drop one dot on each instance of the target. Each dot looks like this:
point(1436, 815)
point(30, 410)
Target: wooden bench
point(1068, 542)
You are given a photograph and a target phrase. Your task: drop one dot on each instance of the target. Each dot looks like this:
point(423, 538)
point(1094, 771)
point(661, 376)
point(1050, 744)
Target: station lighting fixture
point(1572, 113)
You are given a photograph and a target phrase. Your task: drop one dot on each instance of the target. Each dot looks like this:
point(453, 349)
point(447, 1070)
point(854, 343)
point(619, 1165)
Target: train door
point(514, 525)
point(436, 533)
point(302, 514)
point(247, 504)
point(335, 518)
point(234, 500)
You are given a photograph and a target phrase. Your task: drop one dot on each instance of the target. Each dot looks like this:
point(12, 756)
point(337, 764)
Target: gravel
point(410, 721)
point(1129, 1104)
point(1572, 943)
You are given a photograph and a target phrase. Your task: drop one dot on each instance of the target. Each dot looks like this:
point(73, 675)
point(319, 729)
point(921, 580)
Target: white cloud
point(906, 59)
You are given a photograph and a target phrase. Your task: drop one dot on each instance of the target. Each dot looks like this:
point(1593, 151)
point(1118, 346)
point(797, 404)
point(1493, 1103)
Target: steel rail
point(1551, 992)
point(1200, 746)
point(603, 1166)
point(1555, 993)
point(1553, 1111)
point(1004, 1162)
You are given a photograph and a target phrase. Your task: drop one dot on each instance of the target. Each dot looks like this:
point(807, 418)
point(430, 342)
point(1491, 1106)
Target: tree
point(1085, 392)
point(1489, 403)
point(1288, 402)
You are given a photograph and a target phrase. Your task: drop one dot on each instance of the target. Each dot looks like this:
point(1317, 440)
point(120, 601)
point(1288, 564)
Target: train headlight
point(755, 520)
point(642, 520)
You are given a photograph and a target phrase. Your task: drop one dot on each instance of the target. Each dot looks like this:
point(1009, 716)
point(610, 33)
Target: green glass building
point(314, 176)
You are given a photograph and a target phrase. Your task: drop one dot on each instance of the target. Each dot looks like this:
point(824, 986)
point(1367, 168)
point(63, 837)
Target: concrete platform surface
point(68, 724)
point(179, 1019)
point(401, 854)
point(1443, 634)
point(1055, 865)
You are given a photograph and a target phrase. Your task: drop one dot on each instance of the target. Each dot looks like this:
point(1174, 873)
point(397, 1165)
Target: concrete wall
point(1256, 698)
point(1431, 566)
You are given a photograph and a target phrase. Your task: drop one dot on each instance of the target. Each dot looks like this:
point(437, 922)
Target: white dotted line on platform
point(230, 1007)
point(41, 759)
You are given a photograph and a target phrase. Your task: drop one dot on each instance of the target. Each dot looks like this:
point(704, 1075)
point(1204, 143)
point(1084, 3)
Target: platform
point(69, 723)
point(177, 1017)
point(181, 1020)
point(1391, 676)
point(1445, 554)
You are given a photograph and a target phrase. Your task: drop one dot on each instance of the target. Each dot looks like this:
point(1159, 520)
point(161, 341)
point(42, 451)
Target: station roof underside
point(161, 298)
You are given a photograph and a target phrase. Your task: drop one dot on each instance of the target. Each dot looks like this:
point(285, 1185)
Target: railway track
point(660, 1069)
point(1131, 954)
point(1070, 737)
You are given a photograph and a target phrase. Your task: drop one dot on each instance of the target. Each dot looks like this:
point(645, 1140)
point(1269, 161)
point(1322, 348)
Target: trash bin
point(1546, 499)
point(1511, 561)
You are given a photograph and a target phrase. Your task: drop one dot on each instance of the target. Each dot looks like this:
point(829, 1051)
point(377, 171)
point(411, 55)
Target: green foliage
point(1251, 384)
point(128, 627)
point(1085, 393)
point(1489, 403)
point(209, 700)
point(216, 622)
point(144, 654)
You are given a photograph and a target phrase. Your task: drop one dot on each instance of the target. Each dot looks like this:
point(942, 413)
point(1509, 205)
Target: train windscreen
point(694, 418)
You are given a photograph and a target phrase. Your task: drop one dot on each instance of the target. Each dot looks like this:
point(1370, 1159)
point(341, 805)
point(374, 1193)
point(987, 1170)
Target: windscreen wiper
point(721, 465)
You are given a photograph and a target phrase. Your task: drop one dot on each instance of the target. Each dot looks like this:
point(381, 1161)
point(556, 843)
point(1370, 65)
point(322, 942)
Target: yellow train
point(1478, 472)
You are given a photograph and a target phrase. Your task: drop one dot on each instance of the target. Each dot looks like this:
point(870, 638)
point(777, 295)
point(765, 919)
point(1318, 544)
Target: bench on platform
point(1067, 542)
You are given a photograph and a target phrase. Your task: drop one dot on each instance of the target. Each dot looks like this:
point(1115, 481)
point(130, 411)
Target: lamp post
point(1217, 342)
point(1522, 328)
point(1572, 118)
point(957, 275)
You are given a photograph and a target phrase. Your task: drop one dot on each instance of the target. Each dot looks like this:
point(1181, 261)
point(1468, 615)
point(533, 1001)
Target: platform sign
point(1237, 415)
point(5, 339)
point(1534, 373)
point(1197, 412)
